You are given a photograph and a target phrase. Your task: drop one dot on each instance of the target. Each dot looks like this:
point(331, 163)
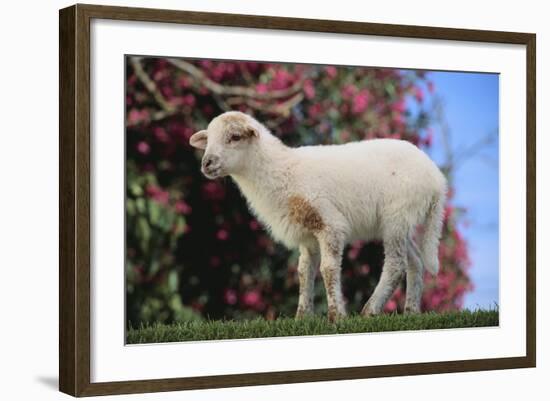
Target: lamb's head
point(227, 143)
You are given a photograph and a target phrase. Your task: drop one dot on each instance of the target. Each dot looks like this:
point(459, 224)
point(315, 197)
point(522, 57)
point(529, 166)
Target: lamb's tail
point(432, 233)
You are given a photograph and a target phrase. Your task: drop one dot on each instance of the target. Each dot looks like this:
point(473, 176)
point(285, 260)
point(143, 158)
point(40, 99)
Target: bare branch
point(243, 91)
point(475, 148)
point(150, 85)
point(454, 158)
point(226, 97)
point(273, 108)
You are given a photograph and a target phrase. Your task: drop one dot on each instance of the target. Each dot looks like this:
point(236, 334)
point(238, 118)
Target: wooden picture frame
point(75, 207)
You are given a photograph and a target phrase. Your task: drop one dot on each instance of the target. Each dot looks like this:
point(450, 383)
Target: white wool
point(369, 189)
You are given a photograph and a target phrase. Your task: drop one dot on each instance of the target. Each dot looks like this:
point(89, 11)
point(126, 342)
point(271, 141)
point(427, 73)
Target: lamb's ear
point(198, 139)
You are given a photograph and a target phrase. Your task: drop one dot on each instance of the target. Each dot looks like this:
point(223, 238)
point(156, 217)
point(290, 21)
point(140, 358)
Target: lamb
point(319, 198)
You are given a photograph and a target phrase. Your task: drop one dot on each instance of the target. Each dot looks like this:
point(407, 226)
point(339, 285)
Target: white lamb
point(319, 198)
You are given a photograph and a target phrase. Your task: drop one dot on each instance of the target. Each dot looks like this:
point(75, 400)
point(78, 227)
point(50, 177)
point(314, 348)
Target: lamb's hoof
point(368, 312)
point(334, 315)
point(410, 310)
point(302, 313)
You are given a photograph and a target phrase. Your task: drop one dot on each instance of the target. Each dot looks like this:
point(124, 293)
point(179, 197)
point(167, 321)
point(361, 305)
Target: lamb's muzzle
point(211, 166)
point(319, 198)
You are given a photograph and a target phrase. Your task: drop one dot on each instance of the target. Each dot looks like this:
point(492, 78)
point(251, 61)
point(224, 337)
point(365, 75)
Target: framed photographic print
point(250, 200)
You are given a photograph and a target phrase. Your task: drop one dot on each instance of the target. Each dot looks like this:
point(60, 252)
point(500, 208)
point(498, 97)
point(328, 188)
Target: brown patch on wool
point(331, 279)
point(238, 124)
point(332, 314)
point(303, 213)
point(236, 118)
point(305, 305)
point(335, 248)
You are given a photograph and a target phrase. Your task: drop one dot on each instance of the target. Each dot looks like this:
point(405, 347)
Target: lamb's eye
point(235, 138)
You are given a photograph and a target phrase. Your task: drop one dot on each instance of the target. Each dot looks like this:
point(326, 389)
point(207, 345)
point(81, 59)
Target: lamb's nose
point(208, 161)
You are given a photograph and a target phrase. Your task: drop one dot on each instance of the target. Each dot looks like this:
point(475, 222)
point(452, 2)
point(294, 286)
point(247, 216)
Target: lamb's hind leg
point(307, 265)
point(331, 246)
point(395, 262)
point(415, 270)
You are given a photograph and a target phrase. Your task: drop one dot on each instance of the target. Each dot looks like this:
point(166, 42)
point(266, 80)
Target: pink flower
point(143, 148)
point(418, 94)
point(188, 100)
point(399, 106)
point(254, 225)
point(161, 135)
point(435, 300)
point(309, 89)
point(399, 120)
point(162, 197)
point(167, 91)
point(331, 71)
point(230, 296)
point(355, 249)
point(360, 102)
point(353, 253)
point(137, 116)
point(184, 82)
point(218, 72)
point(186, 133)
point(157, 194)
point(182, 207)
point(252, 299)
point(391, 306)
point(348, 91)
point(212, 190)
point(251, 66)
point(314, 110)
point(447, 212)
point(365, 269)
point(281, 79)
point(222, 234)
point(261, 88)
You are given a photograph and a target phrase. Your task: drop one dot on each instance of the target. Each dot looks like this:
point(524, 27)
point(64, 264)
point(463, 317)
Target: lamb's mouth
point(212, 174)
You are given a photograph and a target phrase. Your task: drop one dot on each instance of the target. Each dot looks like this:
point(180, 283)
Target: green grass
point(315, 325)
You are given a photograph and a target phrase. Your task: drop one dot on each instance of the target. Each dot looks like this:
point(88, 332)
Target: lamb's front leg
point(331, 247)
point(309, 258)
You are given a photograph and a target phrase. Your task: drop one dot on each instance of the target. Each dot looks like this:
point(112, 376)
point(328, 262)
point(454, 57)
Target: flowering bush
point(193, 248)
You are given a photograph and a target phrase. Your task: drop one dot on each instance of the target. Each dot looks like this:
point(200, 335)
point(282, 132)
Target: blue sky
point(471, 110)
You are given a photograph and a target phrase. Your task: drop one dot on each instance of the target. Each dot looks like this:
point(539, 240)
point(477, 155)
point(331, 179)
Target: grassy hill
point(314, 325)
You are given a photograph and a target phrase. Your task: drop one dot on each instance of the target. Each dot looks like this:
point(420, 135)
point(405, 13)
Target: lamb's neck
point(269, 171)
